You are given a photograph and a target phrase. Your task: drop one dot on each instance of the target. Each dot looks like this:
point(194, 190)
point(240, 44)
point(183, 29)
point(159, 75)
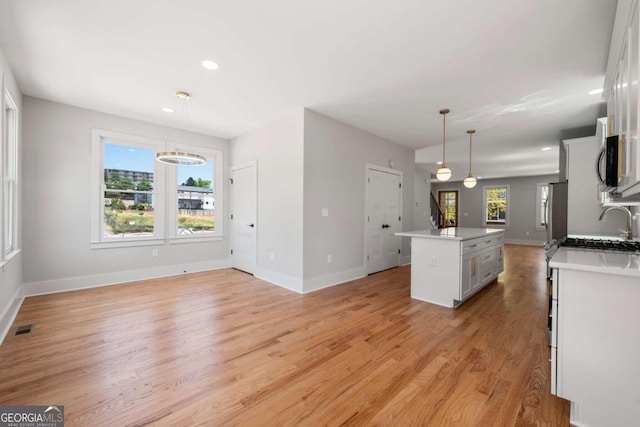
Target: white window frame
point(10, 179)
point(539, 217)
point(98, 239)
point(484, 207)
point(218, 192)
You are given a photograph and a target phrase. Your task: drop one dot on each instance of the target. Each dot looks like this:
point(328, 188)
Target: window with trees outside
point(9, 168)
point(496, 205)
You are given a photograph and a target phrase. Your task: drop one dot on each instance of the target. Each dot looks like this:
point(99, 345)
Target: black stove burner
point(607, 245)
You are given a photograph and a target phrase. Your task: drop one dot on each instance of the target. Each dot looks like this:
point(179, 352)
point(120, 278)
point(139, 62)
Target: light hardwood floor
point(223, 348)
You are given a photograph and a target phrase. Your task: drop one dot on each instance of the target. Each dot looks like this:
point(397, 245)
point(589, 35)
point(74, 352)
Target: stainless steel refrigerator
point(556, 218)
point(556, 211)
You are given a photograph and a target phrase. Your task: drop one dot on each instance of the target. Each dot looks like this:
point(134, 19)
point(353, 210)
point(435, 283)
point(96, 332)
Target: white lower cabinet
point(482, 262)
point(470, 276)
point(450, 265)
point(594, 344)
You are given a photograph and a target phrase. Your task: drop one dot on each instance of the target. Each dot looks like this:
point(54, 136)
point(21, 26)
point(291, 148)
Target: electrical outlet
point(329, 259)
point(154, 252)
point(433, 261)
point(272, 256)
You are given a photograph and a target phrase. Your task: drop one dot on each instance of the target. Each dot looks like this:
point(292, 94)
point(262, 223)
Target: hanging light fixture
point(444, 173)
point(181, 157)
point(470, 181)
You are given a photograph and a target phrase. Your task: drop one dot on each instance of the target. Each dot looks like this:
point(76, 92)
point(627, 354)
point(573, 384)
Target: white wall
point(522, 205)
point(56, 214)
point(278, 150)
point(335, 158)
point(422, 206)
point(11, 272)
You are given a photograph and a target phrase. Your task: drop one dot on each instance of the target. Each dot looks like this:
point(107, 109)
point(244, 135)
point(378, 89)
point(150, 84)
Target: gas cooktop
point(601, 244)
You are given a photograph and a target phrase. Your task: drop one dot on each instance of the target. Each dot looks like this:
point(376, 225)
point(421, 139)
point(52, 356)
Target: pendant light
point(470, 180)
point(444, 173)
point(181, 157)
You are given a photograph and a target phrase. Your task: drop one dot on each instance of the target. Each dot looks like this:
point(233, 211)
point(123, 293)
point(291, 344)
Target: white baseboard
point(105, 279)
point(284, 281)
point(9, 315)
point(524, 242)
point(332, 279)
point(405, 260)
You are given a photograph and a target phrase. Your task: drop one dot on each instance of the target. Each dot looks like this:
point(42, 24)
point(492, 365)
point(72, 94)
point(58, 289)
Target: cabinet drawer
point(487, 257)
point(487, 273)
point(472, 245)
point(492, 241)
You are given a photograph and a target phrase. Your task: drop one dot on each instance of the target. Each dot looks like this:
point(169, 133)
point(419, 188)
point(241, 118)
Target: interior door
point(243, 217)
point(384, 218)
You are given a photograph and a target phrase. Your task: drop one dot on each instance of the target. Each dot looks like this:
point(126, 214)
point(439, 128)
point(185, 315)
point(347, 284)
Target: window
point(196, 197)
point(132, 199)
point(448, 200)
point(10, 179)
point(128, 191)
point(496, 205)
point(541, 206)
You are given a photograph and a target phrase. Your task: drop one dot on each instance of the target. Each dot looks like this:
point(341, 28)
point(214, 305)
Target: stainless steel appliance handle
point(599, 160)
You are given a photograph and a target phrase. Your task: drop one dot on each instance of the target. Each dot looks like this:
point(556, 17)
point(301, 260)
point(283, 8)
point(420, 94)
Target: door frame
point(249, 164)
point(368, 168)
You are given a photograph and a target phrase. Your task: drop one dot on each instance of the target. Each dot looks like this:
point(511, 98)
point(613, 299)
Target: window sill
point(195, 239)
point(9, 257)
point(126, 243)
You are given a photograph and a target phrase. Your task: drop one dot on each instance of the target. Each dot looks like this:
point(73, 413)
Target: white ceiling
point(516, 71)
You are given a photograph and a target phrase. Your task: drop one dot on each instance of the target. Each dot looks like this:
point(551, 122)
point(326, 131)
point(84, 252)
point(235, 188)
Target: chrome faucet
point(628, 235)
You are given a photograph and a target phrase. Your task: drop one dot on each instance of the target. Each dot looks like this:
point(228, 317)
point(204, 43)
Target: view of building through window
point(128, 190)
point(196, 198)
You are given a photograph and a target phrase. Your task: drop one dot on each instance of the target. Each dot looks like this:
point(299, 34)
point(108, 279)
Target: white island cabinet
point(449, 265)
point(595, 343)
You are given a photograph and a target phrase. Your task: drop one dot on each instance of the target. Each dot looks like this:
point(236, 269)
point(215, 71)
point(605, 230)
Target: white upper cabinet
point(621, 93)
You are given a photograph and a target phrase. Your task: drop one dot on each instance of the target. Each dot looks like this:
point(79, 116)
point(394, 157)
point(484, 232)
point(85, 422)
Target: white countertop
point(454, 233)
point(608, 262)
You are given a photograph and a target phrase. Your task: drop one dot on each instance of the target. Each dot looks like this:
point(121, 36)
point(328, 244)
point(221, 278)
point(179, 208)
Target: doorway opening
point(448, 201)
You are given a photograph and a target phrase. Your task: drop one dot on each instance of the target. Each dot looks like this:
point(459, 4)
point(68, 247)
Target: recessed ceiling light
point(478, 177)
point(595, 91)
point(546, 149)
point(209, 64)
point(167, 109)
point(438, 163)
point(557, 170)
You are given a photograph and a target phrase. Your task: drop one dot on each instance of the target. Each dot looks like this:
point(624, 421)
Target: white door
point(243, 217)
point(384, 219)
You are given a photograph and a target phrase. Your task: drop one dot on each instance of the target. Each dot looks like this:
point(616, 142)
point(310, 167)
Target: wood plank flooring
point(223, 348)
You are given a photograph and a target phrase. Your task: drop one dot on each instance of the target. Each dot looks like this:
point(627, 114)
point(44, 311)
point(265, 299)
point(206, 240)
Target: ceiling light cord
point(444, 133)
point(470, 133)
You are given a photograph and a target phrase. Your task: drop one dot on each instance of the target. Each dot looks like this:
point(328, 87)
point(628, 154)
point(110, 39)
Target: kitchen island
point(595, 350)
point(449, 265)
